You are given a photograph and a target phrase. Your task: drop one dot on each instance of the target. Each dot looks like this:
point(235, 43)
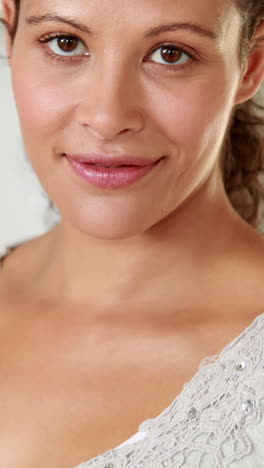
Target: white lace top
point(215, 422)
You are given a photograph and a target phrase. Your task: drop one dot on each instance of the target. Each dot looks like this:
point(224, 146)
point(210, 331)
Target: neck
point(171, 263)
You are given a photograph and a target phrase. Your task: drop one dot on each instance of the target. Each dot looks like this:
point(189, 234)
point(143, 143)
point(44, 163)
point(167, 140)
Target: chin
point(106, 229)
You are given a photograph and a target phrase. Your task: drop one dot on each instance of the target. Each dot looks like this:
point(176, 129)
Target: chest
point(71, 389)
point(69, 392)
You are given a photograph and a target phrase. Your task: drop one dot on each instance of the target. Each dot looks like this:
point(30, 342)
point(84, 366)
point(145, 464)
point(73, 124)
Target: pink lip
point(112, 177)
point(112, 160)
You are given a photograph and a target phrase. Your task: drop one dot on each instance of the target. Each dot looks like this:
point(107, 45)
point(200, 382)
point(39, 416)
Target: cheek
point(39, 107)
point(193, 115)
point(194, 119)
point(43, 110)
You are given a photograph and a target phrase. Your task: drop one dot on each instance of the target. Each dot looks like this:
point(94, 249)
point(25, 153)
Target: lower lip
point(112, 177)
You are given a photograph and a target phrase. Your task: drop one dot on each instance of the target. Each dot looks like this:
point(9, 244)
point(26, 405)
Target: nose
point(110, 105)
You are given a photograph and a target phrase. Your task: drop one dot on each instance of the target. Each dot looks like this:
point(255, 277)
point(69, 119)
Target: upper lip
point(112, 159)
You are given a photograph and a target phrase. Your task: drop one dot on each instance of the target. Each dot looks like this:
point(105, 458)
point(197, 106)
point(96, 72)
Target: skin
point(167, 259)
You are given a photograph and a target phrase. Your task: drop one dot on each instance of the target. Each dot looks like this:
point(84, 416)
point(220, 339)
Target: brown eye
point(171, 54)
point(65, 45)
point(68, 44)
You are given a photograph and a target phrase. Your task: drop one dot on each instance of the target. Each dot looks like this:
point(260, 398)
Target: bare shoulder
point(18, 263)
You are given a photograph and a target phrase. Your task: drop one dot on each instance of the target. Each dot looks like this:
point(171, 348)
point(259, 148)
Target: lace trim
point(206, 423)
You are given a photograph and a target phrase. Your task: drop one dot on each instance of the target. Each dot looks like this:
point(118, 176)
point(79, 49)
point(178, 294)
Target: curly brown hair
point(242, 158)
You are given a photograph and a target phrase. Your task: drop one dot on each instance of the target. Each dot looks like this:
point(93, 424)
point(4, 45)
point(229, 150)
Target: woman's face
point(117, 90)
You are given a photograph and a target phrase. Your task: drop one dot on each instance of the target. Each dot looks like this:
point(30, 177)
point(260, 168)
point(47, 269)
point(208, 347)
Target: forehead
point(126, 15)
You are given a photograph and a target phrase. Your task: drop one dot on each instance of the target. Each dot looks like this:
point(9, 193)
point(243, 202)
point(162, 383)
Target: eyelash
point(73, 59)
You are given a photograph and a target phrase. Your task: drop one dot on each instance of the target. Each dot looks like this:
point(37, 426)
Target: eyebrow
point(49, 17)
point(191, 27)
